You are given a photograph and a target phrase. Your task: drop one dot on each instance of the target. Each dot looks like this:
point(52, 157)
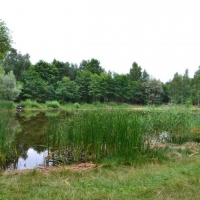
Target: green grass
point(30, 104)
point(124, 135)
point(6, 105)
point(52, 104)
point(7, 142)
point(96, 134)
point(171, 180)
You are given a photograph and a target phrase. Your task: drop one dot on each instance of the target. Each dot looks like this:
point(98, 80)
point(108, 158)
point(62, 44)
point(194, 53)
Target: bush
point(29, 104)
point(52, 104)
point(77, 105)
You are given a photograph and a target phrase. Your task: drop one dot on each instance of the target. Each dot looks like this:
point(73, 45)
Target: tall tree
point(16, 62)
point(92, 65)
point(186, 86)
point(176, 88)
point(136, 94)
point(9, 90)
point(48, 72)
point(95, 87)
point(83, 81)
point(153, 89)
point(165, 94)
point(135, 72)
point(196, 88)
point(67, 90)
point(5, 39)
point(121, 87)
point(35, 88)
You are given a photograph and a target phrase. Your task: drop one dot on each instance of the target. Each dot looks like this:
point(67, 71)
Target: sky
point(162, 36)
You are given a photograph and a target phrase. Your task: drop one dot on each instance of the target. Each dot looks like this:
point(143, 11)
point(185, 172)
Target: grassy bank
point(171, 180)
point(6, 105)
point(29, 104)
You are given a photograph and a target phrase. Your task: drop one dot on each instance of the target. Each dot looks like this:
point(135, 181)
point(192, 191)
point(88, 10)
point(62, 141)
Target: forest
point(86, 82)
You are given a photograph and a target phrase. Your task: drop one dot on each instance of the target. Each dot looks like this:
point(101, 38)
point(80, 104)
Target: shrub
point(52, 104)
point(77, 105)
point(29, 104)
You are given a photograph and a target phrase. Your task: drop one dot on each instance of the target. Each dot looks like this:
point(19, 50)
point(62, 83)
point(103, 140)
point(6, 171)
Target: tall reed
point(6, 105)
point(173, 120)
point(122, 134)
point(93, 135)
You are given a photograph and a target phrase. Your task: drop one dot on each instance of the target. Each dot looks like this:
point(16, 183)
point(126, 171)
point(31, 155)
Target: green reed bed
point(6, 105)
point(174, 121)
point(94, 135)
point(7, 142)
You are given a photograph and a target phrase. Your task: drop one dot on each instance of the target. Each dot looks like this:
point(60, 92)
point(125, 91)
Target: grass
point(93, 135)
point(6, 105)
point(123, 135)
point(116, 138)
point(30, 104)
point(171, 180)
point(52, 104)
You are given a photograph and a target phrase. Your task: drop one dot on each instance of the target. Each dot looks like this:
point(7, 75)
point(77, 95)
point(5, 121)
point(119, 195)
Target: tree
point(92, 65)
point(186, 86)
point(196, 88)
point(67, 90)
point(5, 39)
point(16, 62)
point(35, 88)
point(121, 87)
point(136, 94)
point(153, 90)
point(135, 72)
point(165, 93)
point(145, 75)
point(9, 90)
point(176, 88)
point(48, 72)
point(83, 81)
point(95, 87)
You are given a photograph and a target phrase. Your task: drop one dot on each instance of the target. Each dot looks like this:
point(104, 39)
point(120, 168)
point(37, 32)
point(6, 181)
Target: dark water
point(27, 131)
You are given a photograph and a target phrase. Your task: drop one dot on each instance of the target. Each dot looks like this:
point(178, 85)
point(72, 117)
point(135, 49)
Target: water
point(34, 159)
point(27, 131)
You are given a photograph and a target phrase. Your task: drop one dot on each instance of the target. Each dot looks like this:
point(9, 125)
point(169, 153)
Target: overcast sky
point(162, 36)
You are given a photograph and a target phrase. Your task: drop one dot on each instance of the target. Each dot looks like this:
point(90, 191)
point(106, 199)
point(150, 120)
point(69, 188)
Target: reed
point(94, 135)
point(6, 105)
point(6, 142)
point(122, 134)
point(175, 121)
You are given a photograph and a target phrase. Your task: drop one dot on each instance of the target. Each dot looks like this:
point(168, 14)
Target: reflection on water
point(33, 160)
point(25, 143)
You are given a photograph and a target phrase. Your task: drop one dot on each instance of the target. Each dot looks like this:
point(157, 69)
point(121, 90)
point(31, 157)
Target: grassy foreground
point(171, 180)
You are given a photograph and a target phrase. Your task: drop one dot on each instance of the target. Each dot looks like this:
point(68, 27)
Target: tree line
point(87, 82)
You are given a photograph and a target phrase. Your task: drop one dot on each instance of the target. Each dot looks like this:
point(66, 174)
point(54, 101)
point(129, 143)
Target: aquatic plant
point(6, 105)
point(117, 133)
point(93, 135)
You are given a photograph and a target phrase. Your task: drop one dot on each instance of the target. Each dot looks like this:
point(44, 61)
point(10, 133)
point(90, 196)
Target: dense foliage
point(5, 39)
point(87, 82)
